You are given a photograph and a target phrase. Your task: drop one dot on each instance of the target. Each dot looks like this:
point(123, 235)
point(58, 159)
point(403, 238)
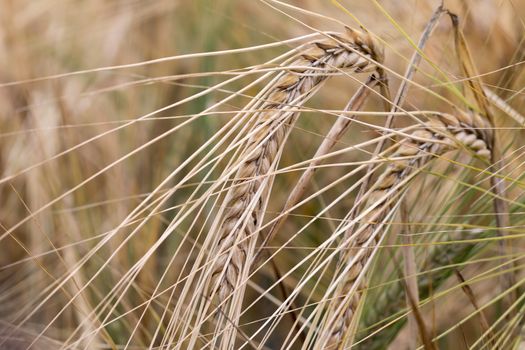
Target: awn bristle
point(433, 139)
point(244, 201)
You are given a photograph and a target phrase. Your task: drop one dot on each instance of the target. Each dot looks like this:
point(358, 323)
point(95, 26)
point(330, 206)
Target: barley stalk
point(245, 200)
point(433, 139)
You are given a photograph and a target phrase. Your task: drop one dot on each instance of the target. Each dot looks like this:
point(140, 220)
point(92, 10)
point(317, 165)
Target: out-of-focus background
point(76, 155)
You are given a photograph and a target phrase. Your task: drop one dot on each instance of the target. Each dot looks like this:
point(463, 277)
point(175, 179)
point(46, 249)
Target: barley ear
point(440, 135)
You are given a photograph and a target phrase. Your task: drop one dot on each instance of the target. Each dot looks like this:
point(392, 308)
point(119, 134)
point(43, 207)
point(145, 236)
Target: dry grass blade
point(410, 279)
point(473, 300)
point(501, 207)
point(504, 107)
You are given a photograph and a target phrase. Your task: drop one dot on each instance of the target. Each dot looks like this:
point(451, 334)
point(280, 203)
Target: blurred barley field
point(185, 174)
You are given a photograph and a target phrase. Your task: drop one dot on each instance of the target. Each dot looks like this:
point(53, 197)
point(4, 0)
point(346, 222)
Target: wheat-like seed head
point(244, 201)
point(441, 134)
